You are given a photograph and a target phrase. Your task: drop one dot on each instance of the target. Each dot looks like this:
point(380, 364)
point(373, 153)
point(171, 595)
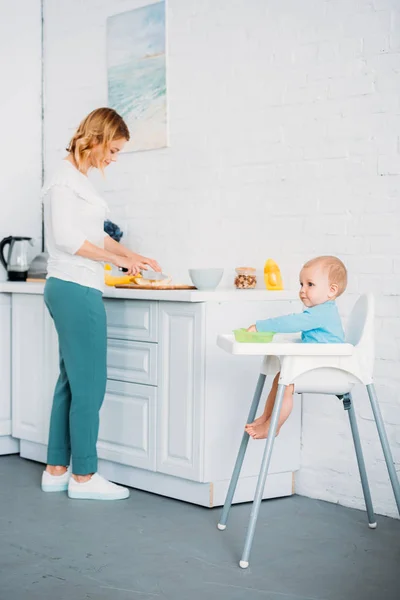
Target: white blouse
point(73, 212)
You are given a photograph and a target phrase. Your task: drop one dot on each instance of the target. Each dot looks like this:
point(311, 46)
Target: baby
point(322, 280)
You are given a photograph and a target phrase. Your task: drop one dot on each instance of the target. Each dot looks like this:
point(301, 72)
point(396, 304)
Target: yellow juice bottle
point(272, 276)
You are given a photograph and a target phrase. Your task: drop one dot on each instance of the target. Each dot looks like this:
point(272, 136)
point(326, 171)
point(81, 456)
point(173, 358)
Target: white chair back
point(360, 322)
point(360, 331)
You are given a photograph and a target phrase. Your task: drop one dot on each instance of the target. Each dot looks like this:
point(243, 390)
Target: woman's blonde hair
point(337, 272)
point(101, 126)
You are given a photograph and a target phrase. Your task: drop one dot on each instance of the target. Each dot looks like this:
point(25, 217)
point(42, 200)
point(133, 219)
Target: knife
point(153, 275)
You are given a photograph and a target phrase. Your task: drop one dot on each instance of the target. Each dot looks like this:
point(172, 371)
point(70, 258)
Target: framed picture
point(136, 69)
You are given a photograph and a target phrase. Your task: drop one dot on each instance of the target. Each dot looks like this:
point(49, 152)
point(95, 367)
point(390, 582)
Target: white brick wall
point(284, 142)
point(20, 103)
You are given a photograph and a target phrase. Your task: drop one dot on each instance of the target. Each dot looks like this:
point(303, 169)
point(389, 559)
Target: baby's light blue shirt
point(319, 324)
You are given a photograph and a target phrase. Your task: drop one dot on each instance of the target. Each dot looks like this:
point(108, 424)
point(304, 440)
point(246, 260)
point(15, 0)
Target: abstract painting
point(137, 74)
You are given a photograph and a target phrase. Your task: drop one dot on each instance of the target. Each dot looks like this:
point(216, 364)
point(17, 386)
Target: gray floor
point(149, 547)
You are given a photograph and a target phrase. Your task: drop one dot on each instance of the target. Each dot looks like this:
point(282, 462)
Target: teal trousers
point(80, 320)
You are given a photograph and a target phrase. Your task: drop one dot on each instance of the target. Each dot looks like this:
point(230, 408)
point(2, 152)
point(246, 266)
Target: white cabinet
point(180, 421)
point(34, 367)
point(127, 433)
point(158, 425)
point(128, 416)
point(127, 425)
point(5, 345)
point(8, 445)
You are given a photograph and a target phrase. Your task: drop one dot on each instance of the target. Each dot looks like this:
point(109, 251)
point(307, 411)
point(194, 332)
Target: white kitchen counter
point(219, 295)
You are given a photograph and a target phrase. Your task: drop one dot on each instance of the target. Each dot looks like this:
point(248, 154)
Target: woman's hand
point(130, 265)
point(148, 262)
point(252, 328)
point(134, 263)
point(126, 259)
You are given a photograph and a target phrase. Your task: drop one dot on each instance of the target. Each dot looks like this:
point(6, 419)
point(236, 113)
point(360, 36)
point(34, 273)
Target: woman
point(77, 247)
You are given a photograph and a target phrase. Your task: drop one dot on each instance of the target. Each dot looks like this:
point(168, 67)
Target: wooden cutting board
point(171, 286)
point(34, 280)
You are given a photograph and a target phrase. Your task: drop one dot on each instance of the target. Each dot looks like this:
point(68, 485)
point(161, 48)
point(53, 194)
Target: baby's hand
point(252, 328)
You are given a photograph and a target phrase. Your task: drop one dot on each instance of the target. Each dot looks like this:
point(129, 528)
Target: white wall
point(284, 142)
point(20, 109)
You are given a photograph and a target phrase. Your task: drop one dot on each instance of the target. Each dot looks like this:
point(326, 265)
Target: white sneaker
point(55, 483)
point(97, 488)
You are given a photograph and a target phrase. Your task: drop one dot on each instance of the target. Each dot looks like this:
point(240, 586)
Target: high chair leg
point(244, 563)
point(242, 451)
point(385, 444)
point(348, 405)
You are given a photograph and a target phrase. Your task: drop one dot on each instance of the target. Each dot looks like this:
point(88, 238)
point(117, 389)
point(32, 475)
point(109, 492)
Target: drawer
point(132, 320)
point(135, 362)
point(127, 432)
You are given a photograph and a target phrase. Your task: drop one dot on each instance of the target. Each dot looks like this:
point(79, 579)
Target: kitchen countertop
point(219, 295)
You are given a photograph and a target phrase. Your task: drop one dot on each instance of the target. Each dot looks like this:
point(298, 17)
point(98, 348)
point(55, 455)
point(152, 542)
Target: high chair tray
point(228, 343)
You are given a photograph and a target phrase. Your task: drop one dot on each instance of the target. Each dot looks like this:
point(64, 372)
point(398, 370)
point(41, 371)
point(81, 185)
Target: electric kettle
point(17, 262)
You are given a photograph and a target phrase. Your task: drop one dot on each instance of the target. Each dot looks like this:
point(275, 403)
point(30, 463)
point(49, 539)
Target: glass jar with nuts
point(246, 278)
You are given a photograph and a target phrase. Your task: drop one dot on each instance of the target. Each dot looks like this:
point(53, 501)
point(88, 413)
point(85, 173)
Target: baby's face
point(315, 287)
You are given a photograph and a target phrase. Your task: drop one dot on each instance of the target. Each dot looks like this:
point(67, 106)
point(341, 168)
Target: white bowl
point(206, 279)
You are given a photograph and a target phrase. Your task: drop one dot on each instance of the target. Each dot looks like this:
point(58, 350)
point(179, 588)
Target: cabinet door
point(180, 406)
point(5, 367)
point(127, 320)
point(134, 362)
point(34, 367)
point(127, 424)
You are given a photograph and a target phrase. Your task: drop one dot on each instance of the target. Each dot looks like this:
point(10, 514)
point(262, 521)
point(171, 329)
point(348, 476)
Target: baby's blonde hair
point(101, 126)
point(337, 272)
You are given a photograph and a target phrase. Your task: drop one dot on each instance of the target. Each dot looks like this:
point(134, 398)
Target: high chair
point(316, 369)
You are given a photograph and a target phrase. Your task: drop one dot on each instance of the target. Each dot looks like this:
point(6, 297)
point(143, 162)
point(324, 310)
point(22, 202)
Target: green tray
point(251, 337)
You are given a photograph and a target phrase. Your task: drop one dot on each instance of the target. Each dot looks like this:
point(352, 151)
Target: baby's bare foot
point(260, 432)
point(257, 421)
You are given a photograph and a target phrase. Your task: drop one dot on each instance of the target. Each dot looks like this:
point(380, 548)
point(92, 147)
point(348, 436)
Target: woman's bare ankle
point(56, 469)
point(82, 478)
